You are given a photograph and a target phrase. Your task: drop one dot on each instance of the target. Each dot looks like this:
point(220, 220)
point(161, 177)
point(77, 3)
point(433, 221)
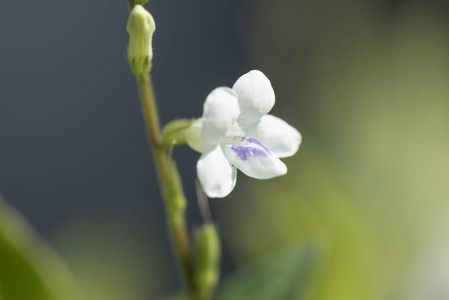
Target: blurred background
point(365, 82)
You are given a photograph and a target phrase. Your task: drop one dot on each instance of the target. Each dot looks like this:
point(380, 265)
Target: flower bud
point(207, 258)
point(140, 28)
point(176, 201)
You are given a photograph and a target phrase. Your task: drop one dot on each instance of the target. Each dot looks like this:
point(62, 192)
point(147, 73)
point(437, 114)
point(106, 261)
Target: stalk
point(170, 184)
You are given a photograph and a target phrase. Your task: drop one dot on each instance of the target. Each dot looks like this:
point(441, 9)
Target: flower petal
point(194, 136)
point(256, 96)
point(220, 112)
point(277, 135)
point(216, 175)
point(252, 158)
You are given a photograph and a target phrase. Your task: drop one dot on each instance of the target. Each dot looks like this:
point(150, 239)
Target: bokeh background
point(366, 83)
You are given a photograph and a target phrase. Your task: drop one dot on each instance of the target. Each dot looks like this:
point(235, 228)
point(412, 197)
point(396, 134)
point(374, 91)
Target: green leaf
point(29, 269)
point(283, 277)
point(180, 296)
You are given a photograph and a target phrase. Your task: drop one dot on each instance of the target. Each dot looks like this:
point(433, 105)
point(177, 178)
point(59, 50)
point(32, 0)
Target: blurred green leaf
point(180, 296)
point(370, 98)
point(29, 269)
point(283, 277)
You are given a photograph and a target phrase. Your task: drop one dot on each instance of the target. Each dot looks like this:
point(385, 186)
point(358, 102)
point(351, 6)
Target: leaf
point(280, 278)
point(180, 296)
point(29, 269)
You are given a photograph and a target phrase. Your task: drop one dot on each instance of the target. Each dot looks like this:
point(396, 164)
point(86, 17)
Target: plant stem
point(169, 182)
point(131, 4)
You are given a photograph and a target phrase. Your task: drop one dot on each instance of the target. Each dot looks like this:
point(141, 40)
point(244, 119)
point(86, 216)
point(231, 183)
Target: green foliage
point(29, 270)
point(370, 180)
point(175, 297)
point(112, 256)
point(283, 277)
point(309, 204)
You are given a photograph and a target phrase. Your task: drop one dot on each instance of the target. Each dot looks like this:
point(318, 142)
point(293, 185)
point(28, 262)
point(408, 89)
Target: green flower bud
point(207, 258)
point(140, 28)
point(176, 201)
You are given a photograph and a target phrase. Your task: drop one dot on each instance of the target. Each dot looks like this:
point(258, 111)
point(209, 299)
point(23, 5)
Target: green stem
point(170, 183)
point(131, 4)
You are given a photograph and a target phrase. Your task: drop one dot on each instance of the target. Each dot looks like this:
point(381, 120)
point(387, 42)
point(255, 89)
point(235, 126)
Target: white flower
point(237, 132)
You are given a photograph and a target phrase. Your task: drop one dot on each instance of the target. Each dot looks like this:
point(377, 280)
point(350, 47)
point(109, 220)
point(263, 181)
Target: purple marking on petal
point(249, 147)
point(254, 141)
point(246, 152)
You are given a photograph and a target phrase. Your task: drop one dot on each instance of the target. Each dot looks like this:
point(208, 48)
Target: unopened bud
point(207, 258)
point(140, 28)
point(176, 201)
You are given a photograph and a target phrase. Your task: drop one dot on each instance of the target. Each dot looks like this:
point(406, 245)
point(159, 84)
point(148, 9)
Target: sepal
point(174, 133)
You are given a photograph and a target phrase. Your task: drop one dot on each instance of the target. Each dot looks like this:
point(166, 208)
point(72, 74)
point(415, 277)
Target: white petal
point(194, 136)
point(256, 96)
point(220, 112)
point(277, 135)
point(252, 158)
point(216, 175)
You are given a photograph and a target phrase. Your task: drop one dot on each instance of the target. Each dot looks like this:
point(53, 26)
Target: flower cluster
point(236, 132)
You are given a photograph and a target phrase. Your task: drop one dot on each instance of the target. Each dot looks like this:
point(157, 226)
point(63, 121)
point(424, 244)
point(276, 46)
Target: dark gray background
point(72, 138)
point(71, 132)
